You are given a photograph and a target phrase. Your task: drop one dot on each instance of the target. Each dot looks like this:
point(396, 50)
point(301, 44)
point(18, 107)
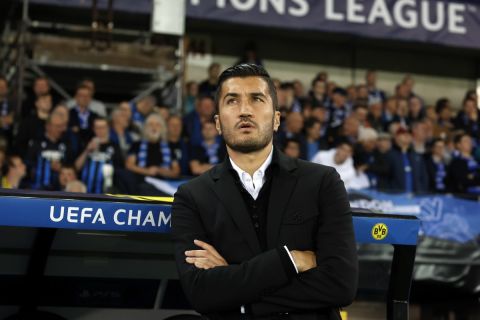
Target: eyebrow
point(252, 94)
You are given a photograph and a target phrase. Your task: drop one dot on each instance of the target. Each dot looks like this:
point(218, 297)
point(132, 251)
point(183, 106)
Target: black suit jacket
point(308, 210)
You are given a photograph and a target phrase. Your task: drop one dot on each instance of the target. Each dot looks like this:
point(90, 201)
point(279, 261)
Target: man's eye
point(231, 101)
point(258, 99)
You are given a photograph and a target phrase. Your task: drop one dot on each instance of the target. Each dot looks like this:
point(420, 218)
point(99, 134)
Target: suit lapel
point(283, 184)
point(226, 190)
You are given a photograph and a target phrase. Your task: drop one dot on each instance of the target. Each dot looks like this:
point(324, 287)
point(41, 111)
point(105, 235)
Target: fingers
point(206, 258)
point(208, 247)
point(201, 263)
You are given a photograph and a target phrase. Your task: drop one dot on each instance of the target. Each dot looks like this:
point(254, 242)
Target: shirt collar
point(262, 168)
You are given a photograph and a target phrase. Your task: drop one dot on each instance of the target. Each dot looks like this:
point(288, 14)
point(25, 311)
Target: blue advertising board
point(452, 23)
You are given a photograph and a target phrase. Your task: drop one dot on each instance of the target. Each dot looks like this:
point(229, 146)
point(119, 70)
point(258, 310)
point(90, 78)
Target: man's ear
point(276, 121)
point(217, 123)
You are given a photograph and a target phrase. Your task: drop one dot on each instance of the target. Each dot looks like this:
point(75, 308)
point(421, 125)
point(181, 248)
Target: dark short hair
point(310, 122)
point(441, 104)
point(245, 70)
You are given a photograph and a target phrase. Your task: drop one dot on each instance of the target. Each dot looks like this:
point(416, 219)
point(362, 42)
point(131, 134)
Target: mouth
point(246, 125)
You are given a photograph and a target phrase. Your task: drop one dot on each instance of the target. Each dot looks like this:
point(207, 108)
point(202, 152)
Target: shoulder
point(310, 173)
point(198, 186)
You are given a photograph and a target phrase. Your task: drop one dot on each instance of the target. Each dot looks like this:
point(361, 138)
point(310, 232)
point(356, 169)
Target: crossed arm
point(212, 284)
point(208, 257)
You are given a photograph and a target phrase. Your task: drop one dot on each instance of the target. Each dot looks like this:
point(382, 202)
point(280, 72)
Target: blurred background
point(117, 96)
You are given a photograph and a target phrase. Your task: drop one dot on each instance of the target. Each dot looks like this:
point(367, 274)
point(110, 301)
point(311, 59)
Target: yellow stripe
point(143, 198)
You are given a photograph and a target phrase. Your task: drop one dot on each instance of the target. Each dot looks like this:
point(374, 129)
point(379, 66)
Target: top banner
point(453, 23)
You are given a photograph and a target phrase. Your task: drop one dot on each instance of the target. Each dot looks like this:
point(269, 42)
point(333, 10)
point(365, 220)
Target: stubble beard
point(248, 144)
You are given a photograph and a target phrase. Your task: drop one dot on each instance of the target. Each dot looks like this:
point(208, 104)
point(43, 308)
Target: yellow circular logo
point(379, 231)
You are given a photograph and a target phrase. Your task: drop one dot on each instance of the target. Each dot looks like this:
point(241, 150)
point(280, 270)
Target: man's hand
point(152, 171)
point(304, 260)
point(205, 259)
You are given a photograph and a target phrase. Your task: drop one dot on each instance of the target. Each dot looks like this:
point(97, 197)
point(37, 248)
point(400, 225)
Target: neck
point(13, 180)
point(118, 128)
point(250, 162)
point(466, 154)
point(49, 137)
point(42, 115)
point(209, 141)
point(103, 140)
point(173, 138)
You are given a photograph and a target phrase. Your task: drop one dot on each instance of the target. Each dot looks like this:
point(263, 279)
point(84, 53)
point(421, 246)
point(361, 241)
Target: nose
point(245, 108)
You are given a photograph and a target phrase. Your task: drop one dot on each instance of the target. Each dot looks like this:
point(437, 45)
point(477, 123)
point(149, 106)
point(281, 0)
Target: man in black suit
point(261, 235)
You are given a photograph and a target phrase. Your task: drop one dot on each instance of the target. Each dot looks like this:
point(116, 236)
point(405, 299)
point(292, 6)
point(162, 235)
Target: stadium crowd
point(391, 143)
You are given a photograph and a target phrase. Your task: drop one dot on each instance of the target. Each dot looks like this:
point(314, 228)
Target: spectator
point(208, 87)
point(163, 110)
point(100, 159)
point(375, 116)
point(317, 93)
point(431, 114)
point(416, 112)
point(401, 115)
point(62, 111)
point(41, 87)
point(209, 153)
point(402, 91)
point(190, 96)
point(471, 94)
point(299, 90)
point(360, 112)
point(16, 171)
point(464, 173)
point(119, 131)
point(81, 117)
point(67, 174)
point(48, 152)
point(419, 137)
point(290, 102)
point(374, 95)
point(126, 108)
point(141, 110)
point(293, 130)
point(367, 159)
point(33, 126)
point(96, 106)
point(389, 112)
point(314, 141)
point(338, 108)
point(362, 94)
point(348, 132)
point(340, 158)
point(192, 122)
point(352, 94)
point(292, 148)
point(437, 166)
point(176, 142)
point(384, 145)
point(152, 156)
point(408, 171)
point(444, 125)
point(468, 119)
point(6, 111)
point(76, 186)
